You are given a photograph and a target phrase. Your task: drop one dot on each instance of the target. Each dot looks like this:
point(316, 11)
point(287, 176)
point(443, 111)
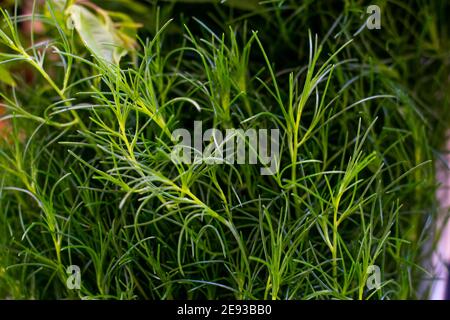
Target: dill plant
point(87, 178)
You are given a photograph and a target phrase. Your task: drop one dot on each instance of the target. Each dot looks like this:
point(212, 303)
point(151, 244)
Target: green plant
point(87, 178)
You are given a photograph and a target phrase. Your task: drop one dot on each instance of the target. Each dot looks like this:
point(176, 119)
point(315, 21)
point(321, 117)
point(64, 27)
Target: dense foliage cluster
point(90, 92)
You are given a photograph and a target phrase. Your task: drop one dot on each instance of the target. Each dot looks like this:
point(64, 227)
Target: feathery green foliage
point(86, 176)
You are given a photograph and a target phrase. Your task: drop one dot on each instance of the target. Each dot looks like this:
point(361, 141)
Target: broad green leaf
point(59, 4)
point(98, 34)
point(126, 29)
point(5, 76)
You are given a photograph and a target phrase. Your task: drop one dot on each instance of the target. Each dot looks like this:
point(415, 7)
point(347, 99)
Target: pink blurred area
point(441, 257)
